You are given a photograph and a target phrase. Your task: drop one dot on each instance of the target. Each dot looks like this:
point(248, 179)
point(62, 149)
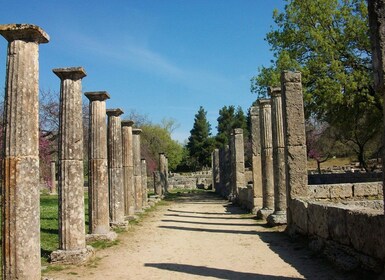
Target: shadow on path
point(214, 272)
point(202, 217)
point(211, 230)
point(211, 224)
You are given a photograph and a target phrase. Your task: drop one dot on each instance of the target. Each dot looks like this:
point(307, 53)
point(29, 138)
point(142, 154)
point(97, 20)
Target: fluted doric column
point(20, 172)
point(98, 206)
point(72, 241)
point(144, 182)
point(128, 169)
point(137, 169)
point(256, 158)
point(279, 215)
point(267, 159)
point(115, 169)
point(239, 160)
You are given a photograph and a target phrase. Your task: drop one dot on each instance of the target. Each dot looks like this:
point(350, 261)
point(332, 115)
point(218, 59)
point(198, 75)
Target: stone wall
point(346, 177)
point(194, 180)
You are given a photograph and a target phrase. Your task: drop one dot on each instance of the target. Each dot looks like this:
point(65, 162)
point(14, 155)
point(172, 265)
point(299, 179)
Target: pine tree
point(200, 143)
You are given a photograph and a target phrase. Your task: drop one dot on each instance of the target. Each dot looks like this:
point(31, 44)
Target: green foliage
point(200, 143)
point(228, 119)
point(327, 40)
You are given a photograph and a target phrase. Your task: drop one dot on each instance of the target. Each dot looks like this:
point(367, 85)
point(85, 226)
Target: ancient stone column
point(239, 160)
point(162, 172)
point(72, 241)
point(137, 169)
point(157, 183)
point(144, 182)
point(266, 159)
point(98, 206)
point(115, 168)
point(20, 172)
point(128, 169)
point(256, 158)
point(53, 177)
point(232, 180)
point(279, 215)
point(215, 170)
point(376, 10)
point(295, 142)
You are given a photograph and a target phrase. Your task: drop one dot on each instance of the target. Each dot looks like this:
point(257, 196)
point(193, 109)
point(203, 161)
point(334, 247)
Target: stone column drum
point(376, 10)
point(137, 169)
point(128, 169)
point(215, 170)
point(279, 215)
point(98, 206)
point(295, 145)
point(267, 159)
point(72, 241)
point(53, 178)
point(256, 158)
point(115, 169)
point(20, 172)
point(239, 160)
point(144, 182)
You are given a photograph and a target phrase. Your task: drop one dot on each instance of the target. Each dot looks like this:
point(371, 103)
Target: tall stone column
point(144, 182)
point(98, 206)
point(279, 215)
point(266, 159)
point(137, 169)
point(163, 172)
point(53, 177)
point(295, 144)
point(115, 168)
point(232, 179)
point(157, 183)
point(239, 160)
point(128, 170)
point(215, 170)
point(256, 158)
point(20, 172)
point(72, 241)
point(376, 10)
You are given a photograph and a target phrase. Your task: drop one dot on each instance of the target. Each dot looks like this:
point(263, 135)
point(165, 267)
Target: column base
point(109, 236)
point(119, 225)
point(277, 218)
point(264, 213)
point(72, 256)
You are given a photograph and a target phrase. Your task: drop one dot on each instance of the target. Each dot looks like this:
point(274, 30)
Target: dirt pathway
point(202, 236)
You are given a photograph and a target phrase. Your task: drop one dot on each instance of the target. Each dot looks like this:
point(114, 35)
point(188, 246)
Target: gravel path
point(201, 236)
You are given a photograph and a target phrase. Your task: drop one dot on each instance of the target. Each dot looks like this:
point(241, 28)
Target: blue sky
point(161, 58)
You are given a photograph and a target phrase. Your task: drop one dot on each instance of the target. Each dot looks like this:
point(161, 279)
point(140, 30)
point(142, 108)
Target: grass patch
point(48, 225)
point(53, 268)
point(100, 244)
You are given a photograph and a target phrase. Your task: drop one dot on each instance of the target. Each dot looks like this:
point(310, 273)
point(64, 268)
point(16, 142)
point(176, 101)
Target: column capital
point(291, 77)
point(127, 123)
point(97, 95)
point(71, 73)
point(274, 91)
point(114, 112)
point(254, 111)
point(264, 102)
point(136, 131)
point(24, 32)
point(238, 131)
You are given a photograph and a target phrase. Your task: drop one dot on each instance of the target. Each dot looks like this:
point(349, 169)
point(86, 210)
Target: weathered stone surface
point(319, 191)
point(318, 220)
point(296, 171)
point(341, 191)
point(137, 169)
point(74, 257)
point(157, 183)
point(115, 168)
point(215, 169)
point(128, 168)
point(238, 161)
point(366, 189)
point(266, 154)
point(20, 172)
point(163, 174)
point(337, 225)
point(256, 157)
point(297, 216)
point(99, 222)
point(144, 182)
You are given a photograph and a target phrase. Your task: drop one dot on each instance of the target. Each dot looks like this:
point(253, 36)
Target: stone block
point(318, 220)
point(319, 191)
point(337, 225)
point(366, 232)
point(298, 215)
point(296, 172)
point(365, 189)
point(341, 191)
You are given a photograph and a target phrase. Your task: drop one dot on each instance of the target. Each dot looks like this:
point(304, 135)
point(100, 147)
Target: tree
point(327, 40)
point(200, 143)
point(228, 119)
